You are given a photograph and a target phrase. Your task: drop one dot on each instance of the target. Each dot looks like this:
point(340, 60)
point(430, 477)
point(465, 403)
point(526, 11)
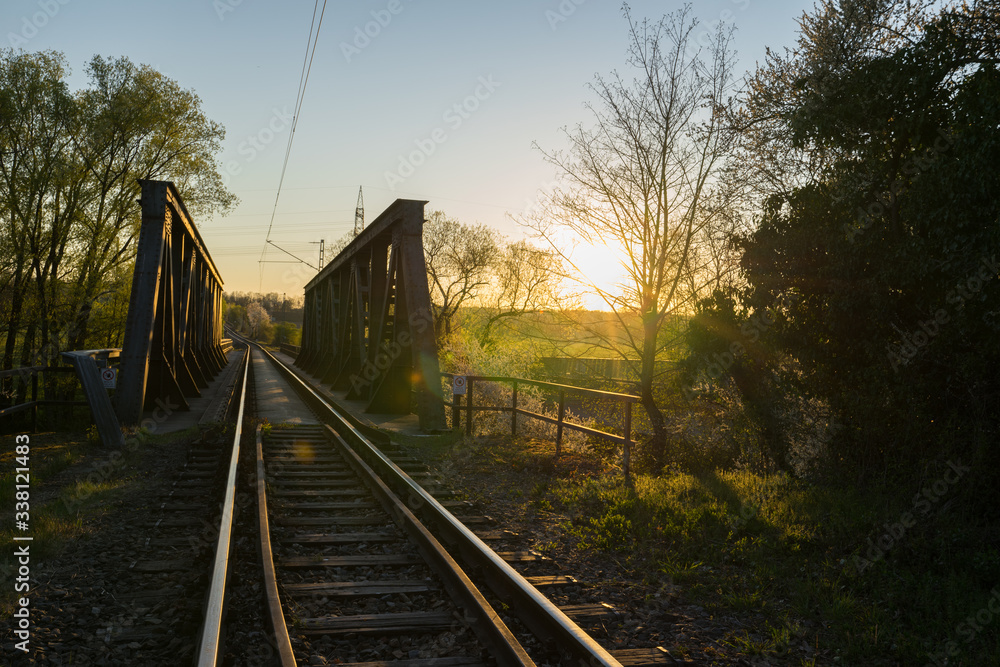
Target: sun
point(602, 265)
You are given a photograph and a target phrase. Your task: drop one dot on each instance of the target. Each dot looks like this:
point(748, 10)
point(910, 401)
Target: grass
point(787, 551)
point(67, 512)
point(794, 561)
point(53, 460)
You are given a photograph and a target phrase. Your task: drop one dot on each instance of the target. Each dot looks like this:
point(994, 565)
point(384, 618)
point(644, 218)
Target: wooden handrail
point(31, 370)
point(549, 385)
point(626, 400)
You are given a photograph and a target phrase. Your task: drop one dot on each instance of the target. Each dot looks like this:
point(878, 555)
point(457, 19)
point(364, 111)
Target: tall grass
point(791, 553)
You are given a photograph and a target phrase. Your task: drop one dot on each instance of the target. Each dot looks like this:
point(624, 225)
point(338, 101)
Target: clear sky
point(517, 71)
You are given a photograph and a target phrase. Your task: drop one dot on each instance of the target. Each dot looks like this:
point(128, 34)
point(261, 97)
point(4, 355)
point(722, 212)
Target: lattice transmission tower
point(359, 214)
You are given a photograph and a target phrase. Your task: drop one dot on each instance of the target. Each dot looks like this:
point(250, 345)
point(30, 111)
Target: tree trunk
point(442, 325)
point(27, 345)
point(17, 302)
point(754, 396)
point(13, 327)
point(80, 325)
point(658, 445)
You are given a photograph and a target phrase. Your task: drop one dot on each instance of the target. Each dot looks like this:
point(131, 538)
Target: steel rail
point(278, 627)
point(484, 621)
point(481, 617)
point(540, 614)
point(208, 645)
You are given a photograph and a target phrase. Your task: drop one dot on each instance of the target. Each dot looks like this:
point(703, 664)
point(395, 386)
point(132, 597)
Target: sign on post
point(458, 385)
point(110, 377)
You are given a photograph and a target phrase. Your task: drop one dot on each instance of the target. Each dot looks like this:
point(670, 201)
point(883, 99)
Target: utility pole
point(359, 214)
point(321, 242)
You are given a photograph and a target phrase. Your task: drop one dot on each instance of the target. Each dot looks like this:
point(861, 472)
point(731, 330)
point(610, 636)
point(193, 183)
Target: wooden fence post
point(468, 406)
point(513, 412)
point(456, 411)
point(34, 399)
point(559, 425)
point(627, 446)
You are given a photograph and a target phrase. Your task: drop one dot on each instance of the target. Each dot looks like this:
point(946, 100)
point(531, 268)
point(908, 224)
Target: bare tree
point(458, 258)
point(644, 179)
point(526, 279)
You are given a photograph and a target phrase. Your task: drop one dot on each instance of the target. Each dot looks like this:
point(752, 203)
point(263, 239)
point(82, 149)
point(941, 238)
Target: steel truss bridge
point(368, 324)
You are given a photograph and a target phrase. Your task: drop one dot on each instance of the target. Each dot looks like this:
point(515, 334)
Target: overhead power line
point(300, 96)
point(290, 255)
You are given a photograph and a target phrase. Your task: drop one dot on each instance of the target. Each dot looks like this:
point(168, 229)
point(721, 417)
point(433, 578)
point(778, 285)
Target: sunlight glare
point(303, 451)
point(602, 265)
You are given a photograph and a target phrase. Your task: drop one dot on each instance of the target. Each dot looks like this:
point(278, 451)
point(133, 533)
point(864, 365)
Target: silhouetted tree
point(643, 178)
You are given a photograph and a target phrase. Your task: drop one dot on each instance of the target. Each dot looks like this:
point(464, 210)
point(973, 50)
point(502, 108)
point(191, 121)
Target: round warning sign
point(108, 376)
point(458, 385)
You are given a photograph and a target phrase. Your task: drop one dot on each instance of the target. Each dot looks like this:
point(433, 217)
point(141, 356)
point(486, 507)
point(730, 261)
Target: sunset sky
point(461, 87)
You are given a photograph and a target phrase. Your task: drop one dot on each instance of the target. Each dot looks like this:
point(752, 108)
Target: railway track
point(368, 562)
point(357, 568)
point(153, 604)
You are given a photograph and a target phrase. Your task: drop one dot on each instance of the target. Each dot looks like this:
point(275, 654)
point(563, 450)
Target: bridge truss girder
point(173, 331)
point(368, 327)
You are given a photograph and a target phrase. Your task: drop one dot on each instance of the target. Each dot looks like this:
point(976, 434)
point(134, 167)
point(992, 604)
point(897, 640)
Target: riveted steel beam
point(173, 329)
point(368, 325)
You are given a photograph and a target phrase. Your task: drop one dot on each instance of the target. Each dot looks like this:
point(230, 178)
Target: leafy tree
point(285, 308)
point(38, 120)
point(258, 320)
point(888, 251)
point(69, 165)
point(141, 125)
point(236, 316)
point(286, 333)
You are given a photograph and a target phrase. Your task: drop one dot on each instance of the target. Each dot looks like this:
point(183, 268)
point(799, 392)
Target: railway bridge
point(368, 325)
point(346, 521)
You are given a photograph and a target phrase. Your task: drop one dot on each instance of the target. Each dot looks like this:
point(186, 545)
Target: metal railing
point(290, 350)
point(33, 372)
point(470, 408)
